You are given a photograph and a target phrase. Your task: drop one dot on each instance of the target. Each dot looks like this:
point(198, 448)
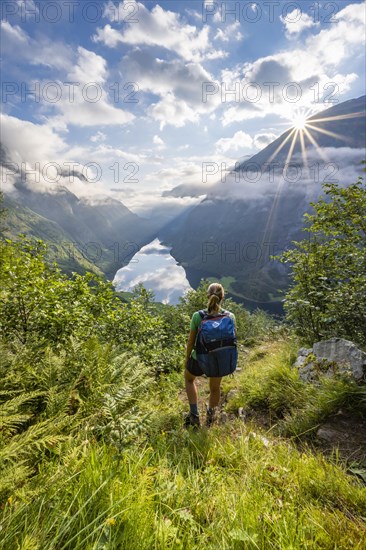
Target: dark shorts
point(193, 367)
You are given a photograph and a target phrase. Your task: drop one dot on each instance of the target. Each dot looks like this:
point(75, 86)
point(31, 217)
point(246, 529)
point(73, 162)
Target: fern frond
point(38, 437)
point(13, 477)
point(12, 422)
point(12, 405)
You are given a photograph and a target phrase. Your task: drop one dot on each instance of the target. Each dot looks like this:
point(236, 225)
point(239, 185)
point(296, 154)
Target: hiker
point(211, 350)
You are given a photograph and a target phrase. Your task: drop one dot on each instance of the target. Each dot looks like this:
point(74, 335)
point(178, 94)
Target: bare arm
point(190, 343)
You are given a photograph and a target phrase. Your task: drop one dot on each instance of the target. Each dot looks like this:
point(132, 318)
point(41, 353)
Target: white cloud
point(84, 100)
point(17, 44)
point(87, 103)
point(159, 142)
point(13, 33)
point(159, 27)
point(183, 170)
point(46, 159)
point(99, 136)
point(238, 142)
point(41, 156)
point(171, 111)
point(263, 139)
point(285, 81)
point(229, 33)
point(90, 67)
point(296, 21)
point(29, 142)
point(345, 159)
point(179, 85)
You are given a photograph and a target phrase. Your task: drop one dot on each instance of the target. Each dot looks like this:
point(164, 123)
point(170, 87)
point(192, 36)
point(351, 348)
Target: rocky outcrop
point(331, 358)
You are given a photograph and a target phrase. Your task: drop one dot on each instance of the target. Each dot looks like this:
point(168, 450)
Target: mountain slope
point(61, 248)
point(105, 231)
point(232, 234)
point(334, 133)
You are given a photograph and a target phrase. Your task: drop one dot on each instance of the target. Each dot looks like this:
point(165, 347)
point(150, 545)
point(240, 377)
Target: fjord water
point(157, 270)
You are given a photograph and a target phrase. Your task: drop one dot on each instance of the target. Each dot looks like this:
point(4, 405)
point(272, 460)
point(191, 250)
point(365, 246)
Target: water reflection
point(157, 270)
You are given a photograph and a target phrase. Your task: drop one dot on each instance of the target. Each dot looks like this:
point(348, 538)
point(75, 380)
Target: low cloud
point(263, 139)
point(238, 142)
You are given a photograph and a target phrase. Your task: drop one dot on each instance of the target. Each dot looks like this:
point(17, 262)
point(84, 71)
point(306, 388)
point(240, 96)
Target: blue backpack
point(216, 350)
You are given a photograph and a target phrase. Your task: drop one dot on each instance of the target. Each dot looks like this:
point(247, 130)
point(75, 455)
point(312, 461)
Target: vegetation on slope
point(328, 294)
point(93, 452)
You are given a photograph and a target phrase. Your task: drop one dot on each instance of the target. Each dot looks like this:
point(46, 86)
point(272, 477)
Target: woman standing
point(215, 359)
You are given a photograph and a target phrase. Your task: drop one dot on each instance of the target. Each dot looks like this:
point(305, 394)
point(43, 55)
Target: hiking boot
point(210, 417)
point(192, 420)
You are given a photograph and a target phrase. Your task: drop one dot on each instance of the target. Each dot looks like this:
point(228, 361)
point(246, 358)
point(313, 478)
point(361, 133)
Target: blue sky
point(121, 86)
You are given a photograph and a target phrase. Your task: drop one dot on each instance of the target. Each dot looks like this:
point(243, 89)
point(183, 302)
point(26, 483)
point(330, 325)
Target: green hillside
point(93, 452)
point(62, 249)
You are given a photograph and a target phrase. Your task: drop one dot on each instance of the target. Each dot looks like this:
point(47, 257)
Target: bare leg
point(191, 388)
point(214, 392)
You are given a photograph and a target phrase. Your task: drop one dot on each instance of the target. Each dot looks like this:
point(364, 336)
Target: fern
point(12, 477)
point(11, 417)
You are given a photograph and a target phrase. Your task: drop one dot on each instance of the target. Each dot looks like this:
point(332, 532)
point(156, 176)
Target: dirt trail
point(343, 432)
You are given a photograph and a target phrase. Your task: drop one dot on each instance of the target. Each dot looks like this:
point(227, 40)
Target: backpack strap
point(203, 314)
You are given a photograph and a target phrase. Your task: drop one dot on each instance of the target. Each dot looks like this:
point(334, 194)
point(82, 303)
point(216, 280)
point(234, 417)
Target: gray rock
point(331, 357)
point(305, 351)
point(299, 361)
point(308, 373)
point(346, 354)
point(301, 357)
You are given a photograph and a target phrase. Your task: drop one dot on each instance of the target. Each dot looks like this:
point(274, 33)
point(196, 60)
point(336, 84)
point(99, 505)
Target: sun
point(299, 122)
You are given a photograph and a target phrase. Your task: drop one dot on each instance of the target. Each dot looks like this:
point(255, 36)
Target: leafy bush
point(328, 294)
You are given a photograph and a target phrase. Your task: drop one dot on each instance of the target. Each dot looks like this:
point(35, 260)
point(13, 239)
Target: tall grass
point(83, 468)
point(269, 383)
point(217, 489)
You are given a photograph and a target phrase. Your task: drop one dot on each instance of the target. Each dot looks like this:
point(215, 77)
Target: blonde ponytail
point(215, 293)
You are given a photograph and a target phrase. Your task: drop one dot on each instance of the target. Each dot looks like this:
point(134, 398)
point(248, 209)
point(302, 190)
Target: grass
point(217, 489)
point(170, 488)
point(269, 384)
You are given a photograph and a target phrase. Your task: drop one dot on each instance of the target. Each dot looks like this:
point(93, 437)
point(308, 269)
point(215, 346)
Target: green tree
point(40, 304)
point(328, 293)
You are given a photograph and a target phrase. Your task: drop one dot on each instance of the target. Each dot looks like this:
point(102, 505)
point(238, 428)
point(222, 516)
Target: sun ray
point(280, 146)
point(329, 133)
point(302, 127)
point(289, 154)
point(315, 143)
point(270, 220)
point(303, 152)
point(339, 117)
